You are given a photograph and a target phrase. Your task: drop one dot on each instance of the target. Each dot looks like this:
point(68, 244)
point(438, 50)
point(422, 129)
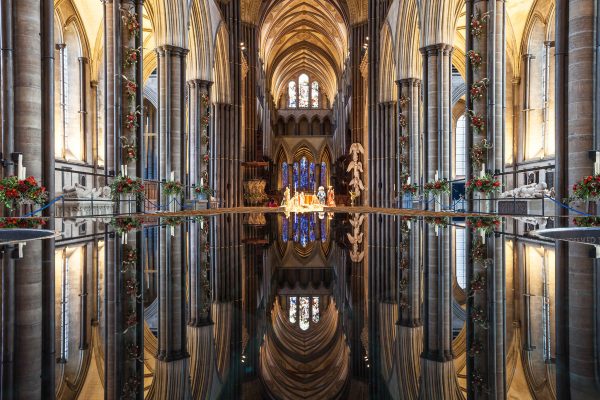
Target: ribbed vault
point(310, 364)
point(303, 36)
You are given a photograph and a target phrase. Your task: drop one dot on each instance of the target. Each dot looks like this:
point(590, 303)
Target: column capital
point(436, 48)
point(169, 49)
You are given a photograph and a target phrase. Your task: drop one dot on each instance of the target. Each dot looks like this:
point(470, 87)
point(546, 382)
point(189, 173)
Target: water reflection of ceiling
point(305, 364)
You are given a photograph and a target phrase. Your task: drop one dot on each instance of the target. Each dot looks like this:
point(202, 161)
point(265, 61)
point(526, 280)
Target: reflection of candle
point(202, 224)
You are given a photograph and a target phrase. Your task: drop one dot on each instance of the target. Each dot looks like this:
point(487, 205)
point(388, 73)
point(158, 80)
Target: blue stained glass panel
point(284, 230)
point(323, 231)
point(295, 176)
point(323, 174)
point(311, 177)
point(284, 175)
point(303, 174)
point(304, 231)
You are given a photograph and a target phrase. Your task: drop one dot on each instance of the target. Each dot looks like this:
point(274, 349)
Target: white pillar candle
point(20, 174)
point(408, 181)
point(202, 182)
point(436, 175)
point(172, 175)
point(482, 173)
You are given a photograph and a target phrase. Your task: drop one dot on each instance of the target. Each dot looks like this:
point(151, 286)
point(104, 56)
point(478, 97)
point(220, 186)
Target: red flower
point(31, 181)
point(478, 183)
point(496, 184)
point(12, 194)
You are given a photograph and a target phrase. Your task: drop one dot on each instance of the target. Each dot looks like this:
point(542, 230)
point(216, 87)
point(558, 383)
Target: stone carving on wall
point(356, 238)
point(356, 149)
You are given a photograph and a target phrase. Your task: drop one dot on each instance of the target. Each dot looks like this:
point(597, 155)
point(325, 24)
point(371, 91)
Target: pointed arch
point(222, 80)
point(387, 69)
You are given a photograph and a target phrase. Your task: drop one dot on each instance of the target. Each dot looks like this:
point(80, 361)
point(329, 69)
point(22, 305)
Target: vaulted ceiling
point(303, 36)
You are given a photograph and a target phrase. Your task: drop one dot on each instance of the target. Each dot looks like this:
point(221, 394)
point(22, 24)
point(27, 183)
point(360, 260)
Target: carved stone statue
point(356, 238)
point(286, 197)
point(330, 197)
point(356, 167)
point(321, 195)
point(533, 190)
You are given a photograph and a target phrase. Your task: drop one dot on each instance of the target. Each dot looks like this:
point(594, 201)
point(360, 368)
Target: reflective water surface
point(317, 305)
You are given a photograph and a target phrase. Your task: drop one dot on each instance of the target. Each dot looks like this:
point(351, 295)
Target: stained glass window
point(293, 308)
point(295, 176)
point(304, 313)
point(311, 177)
point(314, 95)
point(323, 174)
point(304, 174)
point(284, 175)
point(304, 231)
point(315, 309)
point(323, 231)
point(303, 86)
point(292, 95)
point(284, 230)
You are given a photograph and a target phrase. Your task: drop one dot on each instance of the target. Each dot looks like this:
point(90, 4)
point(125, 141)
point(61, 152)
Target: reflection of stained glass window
point(323, 174)
point(323, 231)
point(315, 309)
point(293, 307)
point(315, 95)
point(284, 175)
point(295, 229)
point(284, 230)
point(303, 86)
point(304, 313)
point(304, 174)
point(292, 94)
point(304, 231)
point(295, 175)
point(311, 229)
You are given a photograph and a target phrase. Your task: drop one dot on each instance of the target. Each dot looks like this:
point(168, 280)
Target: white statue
point(530, 191)
point(356, 167)
point(321, 195)
point(286, 197)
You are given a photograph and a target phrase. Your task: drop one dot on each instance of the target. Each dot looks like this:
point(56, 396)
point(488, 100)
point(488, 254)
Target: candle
point(408, 180)
point(20, 173)
point(482, 173)
point(202, 224)
point(172, 175)
point(201, 181)
point(122, 170)
point(436, 175)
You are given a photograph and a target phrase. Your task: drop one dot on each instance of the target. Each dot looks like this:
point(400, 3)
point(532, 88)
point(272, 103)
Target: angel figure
point(356, 238)
point(356, 167)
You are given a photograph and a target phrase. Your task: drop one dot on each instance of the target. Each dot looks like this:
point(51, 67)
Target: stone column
point(48, 157)
point(171, 119)
point(198, 90)
point(576, 135)
point(172, 360)
point(438, 378)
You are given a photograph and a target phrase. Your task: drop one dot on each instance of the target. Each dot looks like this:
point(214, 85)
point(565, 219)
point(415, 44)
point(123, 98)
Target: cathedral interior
point(300, 199)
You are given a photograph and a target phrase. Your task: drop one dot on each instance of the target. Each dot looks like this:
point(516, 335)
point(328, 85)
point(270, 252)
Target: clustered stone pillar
point(438, 378)
point(228, 118)
point(172, 360)
point(576, 135)
point(27, 126)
